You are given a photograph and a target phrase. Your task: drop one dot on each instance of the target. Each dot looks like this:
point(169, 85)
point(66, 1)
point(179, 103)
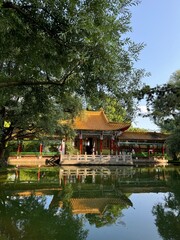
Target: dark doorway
point(89, 146)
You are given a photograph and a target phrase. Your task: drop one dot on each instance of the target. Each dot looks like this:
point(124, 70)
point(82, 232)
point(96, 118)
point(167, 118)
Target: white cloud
point(143, 109)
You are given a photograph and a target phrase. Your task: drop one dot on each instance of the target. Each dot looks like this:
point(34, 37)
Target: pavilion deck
point(84, 159)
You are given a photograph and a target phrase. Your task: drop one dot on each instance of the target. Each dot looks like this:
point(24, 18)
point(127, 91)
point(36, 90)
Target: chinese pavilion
point(95, 132)
point(97, 135)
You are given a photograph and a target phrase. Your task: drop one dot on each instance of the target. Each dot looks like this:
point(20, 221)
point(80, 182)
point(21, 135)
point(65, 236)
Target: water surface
point(90, 203)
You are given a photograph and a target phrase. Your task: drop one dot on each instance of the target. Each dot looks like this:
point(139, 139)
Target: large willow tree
point(54, 53)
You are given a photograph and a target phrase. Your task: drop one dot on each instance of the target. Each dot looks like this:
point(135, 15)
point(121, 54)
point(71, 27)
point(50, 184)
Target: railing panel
point(96, 158)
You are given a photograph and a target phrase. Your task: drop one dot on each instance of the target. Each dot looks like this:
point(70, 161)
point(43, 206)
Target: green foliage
point(54, 53)
point(134, 129)
point(116, 110)
point(163, 104)
point(173, 143)
point(30, 146)
point(167, 214)
point(70, 148)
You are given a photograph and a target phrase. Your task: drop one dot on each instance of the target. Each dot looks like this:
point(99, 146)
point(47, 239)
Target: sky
point(156, 23)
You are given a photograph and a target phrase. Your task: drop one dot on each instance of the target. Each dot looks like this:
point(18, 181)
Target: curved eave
point(97, 121)
point(108, 128)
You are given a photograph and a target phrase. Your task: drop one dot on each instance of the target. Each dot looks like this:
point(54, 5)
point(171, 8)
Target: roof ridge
point(104, 116)
point(97, 120)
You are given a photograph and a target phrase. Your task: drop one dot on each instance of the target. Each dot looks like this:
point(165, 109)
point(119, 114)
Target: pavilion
point(99, 141)
point(96, 135)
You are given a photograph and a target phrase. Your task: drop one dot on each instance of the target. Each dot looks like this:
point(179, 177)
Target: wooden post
point(85, 156)
point(115, 147)
point(19, 149)
point(101, 143)
point(153, 150)
point(40, 150)
point(17, 173)
point(94, 147)
point(112, 145)
point(80, 143)
point(64, 179)
point(119, 148)
point(163, 149)
point(39, 175)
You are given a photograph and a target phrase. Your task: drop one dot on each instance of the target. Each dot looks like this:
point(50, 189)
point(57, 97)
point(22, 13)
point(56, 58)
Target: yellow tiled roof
point(143, 136)
point(95, 205)
point(97, 120)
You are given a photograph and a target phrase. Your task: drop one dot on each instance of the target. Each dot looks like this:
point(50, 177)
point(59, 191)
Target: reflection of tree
point(29, 218)
point(67, 194)
point(111, 213)
point(109, 217)
point(168, 213)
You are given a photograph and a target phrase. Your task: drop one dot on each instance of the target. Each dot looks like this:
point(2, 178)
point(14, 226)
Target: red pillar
point(64, 178)
point(101, 143)
point(112, 145)
point(80, 143)
point(39, 175)
point(119, 148)
point(17, 173)
point(79, 178)
point(40, 149)
point(163, 150)
point(115, 147)
point(19, 149)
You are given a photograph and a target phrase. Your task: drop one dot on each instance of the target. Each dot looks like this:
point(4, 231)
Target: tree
point(54, 53)
point(163, 104)
point(116, 110)
point(167, 214)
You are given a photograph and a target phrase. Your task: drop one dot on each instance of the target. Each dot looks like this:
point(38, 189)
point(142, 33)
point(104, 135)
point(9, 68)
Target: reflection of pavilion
point(96, 205)
point(94, 189)
point(94, 195)
point(126, 176)
point(79, 174)
point(83, 204)
point(88, 182)
point(93, 200)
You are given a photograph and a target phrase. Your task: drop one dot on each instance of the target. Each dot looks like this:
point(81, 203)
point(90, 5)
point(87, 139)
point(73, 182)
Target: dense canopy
point(57, 56)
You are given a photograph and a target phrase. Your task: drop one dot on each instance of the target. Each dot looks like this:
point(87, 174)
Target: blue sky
point(156, 23)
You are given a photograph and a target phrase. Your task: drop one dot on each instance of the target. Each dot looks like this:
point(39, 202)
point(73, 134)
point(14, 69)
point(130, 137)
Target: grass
point(35, 153)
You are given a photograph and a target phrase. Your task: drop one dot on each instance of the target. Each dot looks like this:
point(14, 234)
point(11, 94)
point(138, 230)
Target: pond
point(72, 202)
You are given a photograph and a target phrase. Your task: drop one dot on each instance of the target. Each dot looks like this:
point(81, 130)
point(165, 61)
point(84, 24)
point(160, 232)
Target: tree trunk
point(3, 160)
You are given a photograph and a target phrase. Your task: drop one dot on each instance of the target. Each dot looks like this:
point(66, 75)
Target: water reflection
point(57, 203)
point(28, 218)
point(167, 214)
